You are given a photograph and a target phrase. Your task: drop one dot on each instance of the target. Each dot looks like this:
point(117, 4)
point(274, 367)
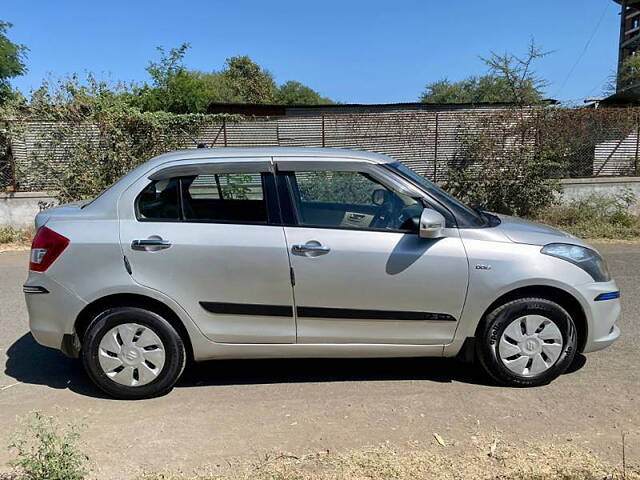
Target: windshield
point(465, 216)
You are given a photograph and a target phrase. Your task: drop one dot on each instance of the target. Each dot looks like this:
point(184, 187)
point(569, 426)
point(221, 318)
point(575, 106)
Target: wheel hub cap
point(530, 345)
point(131, 354)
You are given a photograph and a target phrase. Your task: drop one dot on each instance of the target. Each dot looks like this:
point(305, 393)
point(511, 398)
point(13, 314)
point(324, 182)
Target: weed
point(46, 450)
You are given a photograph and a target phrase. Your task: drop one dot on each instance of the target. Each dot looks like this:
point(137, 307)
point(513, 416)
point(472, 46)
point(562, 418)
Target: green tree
point(12, 56)
point(509, 79)
point(249, 82)
point(295, 93)
point(174, 88)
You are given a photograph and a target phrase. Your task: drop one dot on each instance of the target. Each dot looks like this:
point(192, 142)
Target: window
point(352, 200)
point(232, 198)
point(236, 197)
point(159, 201)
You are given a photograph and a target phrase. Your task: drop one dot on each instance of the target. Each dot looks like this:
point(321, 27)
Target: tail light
point(47, 245)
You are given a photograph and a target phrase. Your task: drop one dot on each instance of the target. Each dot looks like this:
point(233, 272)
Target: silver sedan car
point(305, 252)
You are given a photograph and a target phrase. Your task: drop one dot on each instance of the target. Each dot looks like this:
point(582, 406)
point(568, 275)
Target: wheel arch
point(90, 311)
point(563, 298)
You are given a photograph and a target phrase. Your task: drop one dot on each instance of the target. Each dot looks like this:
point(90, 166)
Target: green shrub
point(596, 216)
point(45, 450)
point(503, 176)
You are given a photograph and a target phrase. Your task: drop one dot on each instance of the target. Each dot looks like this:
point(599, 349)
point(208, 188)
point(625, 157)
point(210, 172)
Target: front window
point(466, 217)
point(351, 200)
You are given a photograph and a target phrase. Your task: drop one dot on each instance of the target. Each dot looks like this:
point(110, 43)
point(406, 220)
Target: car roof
point(230, 153)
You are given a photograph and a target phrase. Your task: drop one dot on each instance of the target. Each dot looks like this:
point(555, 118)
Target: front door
point(208, 241)
point(362, 274)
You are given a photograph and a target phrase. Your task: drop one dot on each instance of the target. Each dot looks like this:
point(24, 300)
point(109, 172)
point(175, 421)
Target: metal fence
point(587, 142)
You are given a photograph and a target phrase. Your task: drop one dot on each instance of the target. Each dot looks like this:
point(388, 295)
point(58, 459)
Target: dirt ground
point(229, 411)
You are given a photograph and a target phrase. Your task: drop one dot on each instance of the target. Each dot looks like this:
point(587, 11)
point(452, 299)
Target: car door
point(208, 236)
point(362, 274)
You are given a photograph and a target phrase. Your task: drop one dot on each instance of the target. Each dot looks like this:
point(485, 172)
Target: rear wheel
point(527, 342)
point(133, 353)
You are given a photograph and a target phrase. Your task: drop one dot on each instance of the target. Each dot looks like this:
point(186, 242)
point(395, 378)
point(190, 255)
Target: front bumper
point(52, 310)
point(602, 315)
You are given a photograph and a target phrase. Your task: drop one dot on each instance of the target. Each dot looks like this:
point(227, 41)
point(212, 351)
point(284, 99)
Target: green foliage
point(597, 216)
point(503, 178)
point(629, 73)
point(344, 187)
point(483, 89)
point(103, 136)
point(12, 56)
point(295, 93)
point(249, 81)
point(510, 79)
point(45, 450)
point(176, 89)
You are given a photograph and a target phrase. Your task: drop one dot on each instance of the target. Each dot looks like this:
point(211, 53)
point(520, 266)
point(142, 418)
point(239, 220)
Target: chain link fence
point(582, 142)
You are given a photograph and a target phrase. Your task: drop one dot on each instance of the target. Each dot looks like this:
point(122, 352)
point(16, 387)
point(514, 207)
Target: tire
point(131, 353)
point(530, 352)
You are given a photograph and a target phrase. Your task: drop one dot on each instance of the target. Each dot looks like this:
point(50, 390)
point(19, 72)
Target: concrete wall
point(575, 188)
point(19, 209)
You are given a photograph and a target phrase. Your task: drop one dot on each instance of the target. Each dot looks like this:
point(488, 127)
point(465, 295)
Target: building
point(629, 32)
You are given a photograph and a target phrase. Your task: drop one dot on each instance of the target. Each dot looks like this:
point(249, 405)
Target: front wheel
point(527, 342)
point(133, 353)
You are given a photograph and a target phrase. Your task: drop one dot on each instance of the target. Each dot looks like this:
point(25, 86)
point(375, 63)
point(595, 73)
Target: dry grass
point(12, 238)
point(479, 459)
point(596, 216)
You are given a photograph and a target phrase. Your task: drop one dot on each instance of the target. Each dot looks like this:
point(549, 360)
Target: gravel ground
point(233, 411)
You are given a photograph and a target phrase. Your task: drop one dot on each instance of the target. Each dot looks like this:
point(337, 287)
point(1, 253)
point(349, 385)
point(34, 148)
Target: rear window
point(226, 198)
point(237, 197)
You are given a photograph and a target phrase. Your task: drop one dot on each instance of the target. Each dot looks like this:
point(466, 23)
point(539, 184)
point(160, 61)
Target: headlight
point(585, 258)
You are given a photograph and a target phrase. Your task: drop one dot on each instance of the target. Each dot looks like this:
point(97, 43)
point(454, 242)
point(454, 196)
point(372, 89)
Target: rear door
point(209, 237)
point(362, 275)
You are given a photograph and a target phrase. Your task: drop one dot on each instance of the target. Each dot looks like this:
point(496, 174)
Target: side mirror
point(432, 224)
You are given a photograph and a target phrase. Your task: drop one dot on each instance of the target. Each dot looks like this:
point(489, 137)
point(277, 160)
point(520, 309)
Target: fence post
point(635, 163)
point(435, 151)
point(224, 131)
point(323, 142)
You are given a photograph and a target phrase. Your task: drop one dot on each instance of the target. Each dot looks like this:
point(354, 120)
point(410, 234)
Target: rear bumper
point(52, 310)
point(602, 315)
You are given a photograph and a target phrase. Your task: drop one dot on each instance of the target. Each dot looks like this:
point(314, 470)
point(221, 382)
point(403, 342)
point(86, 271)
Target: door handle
point(310, 249)
point(155, 243)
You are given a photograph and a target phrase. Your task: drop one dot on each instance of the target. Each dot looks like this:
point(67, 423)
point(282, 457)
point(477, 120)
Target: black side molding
point(248, 309)
point(323, 312)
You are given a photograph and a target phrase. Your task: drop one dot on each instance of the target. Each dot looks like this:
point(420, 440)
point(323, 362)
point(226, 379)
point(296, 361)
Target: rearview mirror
point(432, 224)
point(378, 196)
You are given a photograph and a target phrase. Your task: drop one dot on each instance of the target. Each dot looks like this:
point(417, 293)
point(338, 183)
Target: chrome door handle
point(156, 244)
point(313, 249)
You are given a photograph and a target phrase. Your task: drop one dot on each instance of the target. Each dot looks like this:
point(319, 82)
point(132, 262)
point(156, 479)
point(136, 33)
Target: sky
point(352, 51)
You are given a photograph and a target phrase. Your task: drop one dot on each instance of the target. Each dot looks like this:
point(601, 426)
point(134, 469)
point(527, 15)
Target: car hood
point(523, 231)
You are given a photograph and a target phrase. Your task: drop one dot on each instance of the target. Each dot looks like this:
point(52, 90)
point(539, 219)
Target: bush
point(100, 136)
point(510, 180)
point(596, 216)
point(45, 450)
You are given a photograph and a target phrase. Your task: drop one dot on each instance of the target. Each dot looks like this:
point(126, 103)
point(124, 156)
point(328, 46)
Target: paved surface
point(231, 409)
